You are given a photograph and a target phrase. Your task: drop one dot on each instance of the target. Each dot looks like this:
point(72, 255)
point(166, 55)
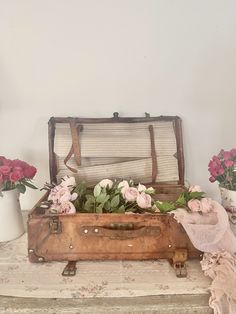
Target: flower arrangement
point(223, 169)
point(16, 174)
point(114, 196)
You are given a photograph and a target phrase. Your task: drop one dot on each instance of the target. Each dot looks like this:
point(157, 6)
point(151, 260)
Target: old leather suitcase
point(148, 150)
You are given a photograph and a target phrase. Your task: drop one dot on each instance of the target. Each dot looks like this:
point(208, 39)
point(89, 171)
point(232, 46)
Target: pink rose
point(29, 172)
point(5, 170)
point(144, 200)
point(195, 205)
point(195, 188)
point(15, 176)
point(226, 155)
point(131, 194)
point(19, 163)
point(206, 204)
point(67, 208)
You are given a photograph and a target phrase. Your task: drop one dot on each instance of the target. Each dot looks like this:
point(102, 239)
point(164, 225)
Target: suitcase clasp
point(55, 225)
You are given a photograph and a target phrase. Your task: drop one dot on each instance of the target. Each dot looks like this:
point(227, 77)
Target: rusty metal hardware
point(55, 225)
point(179, 258)
point(70, 269)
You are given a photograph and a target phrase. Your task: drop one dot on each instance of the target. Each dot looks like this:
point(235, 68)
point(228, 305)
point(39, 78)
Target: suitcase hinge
point(179, 258)
point(55, 225)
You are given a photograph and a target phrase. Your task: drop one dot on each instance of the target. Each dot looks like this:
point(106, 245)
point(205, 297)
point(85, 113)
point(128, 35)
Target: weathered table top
point(99, 287)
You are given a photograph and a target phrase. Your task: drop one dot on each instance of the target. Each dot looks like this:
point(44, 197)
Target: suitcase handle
point(115, 233)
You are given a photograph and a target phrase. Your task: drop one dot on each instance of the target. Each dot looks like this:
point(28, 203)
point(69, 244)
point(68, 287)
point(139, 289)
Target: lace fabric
point(211, 234)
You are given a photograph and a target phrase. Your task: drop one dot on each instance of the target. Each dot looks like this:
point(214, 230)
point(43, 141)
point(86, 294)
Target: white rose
point(144, 200)
point(106, 183)
point(141, 188)
point(123, 185)
point(130, 194)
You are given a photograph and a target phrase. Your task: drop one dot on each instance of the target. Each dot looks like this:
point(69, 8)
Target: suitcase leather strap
point(75, 147)
point(153, 153)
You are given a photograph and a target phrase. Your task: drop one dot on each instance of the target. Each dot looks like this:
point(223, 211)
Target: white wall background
point(93, 57)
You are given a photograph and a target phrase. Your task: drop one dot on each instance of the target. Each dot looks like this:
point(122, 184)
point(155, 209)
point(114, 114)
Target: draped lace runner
point(211, 233)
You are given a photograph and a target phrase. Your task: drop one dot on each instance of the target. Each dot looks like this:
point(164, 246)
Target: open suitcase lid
point(147, 150)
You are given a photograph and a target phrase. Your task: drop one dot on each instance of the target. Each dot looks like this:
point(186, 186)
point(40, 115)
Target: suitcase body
point(146, 150)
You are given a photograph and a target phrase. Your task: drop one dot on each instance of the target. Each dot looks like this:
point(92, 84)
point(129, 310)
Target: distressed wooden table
point(98, 287)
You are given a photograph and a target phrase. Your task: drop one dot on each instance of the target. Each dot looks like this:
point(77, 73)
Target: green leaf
point(107, 206)
point(97, 190)
point(196, 195)
point(90, 197)
point(21, 188)
point(181, 201)
point(102, 198)
point(89, 205)
point(115, 201)
point(99, 209)
point(27, 183)
point(165, 206)
point(121, 209)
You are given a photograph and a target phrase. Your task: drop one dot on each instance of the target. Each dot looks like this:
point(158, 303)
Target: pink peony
point(144, 200)
point(63, 195)
point(15, 176)
point(195, 205)
point(67, 208)
point(229, 163)
point(131, 194)
point(68, 182)
point(29, 172)
point(195, 188)
point(206, 205)
point(5, 170)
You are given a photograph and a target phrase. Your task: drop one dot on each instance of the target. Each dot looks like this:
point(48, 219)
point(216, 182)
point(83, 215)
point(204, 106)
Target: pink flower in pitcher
point(131, 194)
point(5, 170)
point(67, 208)
point(15, 176)
point(229, 163)
point(144, 200)
point(30, 172)
point(194, 205)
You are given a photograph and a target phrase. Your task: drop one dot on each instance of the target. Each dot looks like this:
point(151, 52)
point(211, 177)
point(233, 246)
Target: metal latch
point(179, 258)
point(55, 225)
